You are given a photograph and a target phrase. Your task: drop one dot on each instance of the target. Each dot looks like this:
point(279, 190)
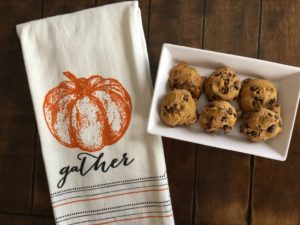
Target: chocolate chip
point(256, 98)
point(269, 114)
point(236, 85)
point(271, 128)
point(211, 104)
point(272, 102)
point(218, 74)
point(276, 116)
point(226, 81)
point(257, 101)
point(224, 118)
point(208, 126)
point(229, 111)
point(246, 80)
point(166, 108)
point(224, 90)
point(227, 129)
point(214, 97)
point(276, 104)
point(185, 98)
point(165, 113)
point(254, 88)
point(234, 115)
point(253, 133)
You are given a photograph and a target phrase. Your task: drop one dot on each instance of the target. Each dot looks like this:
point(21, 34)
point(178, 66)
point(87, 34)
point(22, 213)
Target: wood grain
point(11, 219)
point(179, 22)
point(17, 130)
point(180, 159)
point(223, 177)
point(55, 7)
point(41, 200)
point(276, 185)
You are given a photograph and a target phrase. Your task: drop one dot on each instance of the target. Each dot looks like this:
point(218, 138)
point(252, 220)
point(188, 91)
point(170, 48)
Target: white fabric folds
point(88, 74)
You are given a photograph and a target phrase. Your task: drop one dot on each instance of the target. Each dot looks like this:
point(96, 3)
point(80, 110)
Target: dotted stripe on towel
point(112, 196)
point(113, 211)
point(106, 184)
point(92, 189)
point(107, 192)
point(115, 207)
point(146, 216)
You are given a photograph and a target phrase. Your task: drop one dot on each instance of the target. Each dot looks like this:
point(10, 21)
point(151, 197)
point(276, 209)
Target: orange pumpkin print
point(87, 113)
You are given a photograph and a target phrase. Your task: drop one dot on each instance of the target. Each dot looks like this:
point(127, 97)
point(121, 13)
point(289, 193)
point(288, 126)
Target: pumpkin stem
point(71, 76)
point(79, 82)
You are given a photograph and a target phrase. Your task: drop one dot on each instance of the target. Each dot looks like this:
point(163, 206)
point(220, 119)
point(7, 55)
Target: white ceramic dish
point(287, 79)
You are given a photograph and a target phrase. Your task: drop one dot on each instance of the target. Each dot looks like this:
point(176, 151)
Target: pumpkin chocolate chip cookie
point(257, 93)
point(184, 77)
point(262, 125)
point(223, 84)
point(218, 115)
point(178, 108)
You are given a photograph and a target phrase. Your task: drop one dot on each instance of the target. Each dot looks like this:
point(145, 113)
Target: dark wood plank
point(17, 130)
point(41, 201)
point(11, 219)
point(12, 13)
point(145, 9)
point(276, 185)
point(55, 7)
point(37, 220)
point(143, 4)
point(223, 177)
point(179, 22)
point(180, 160)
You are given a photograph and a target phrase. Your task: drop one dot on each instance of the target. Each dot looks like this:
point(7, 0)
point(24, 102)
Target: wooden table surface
point(208, 186)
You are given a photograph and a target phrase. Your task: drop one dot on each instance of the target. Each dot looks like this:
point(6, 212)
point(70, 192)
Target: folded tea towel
point(90, 84)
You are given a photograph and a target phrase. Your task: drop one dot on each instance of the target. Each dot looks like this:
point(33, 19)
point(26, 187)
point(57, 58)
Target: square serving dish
point(286, 78)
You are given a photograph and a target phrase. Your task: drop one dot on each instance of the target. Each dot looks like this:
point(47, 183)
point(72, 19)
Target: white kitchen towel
point(90, 84)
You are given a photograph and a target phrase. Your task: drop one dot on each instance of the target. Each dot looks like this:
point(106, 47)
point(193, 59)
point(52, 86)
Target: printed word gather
point(89, 162)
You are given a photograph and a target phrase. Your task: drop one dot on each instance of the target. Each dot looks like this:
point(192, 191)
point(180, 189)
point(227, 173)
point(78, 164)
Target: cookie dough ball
point(184, 77)
point(262, 125)
point(257, 93)
point(218, 115)
point(178, 108)
point(223, 84)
